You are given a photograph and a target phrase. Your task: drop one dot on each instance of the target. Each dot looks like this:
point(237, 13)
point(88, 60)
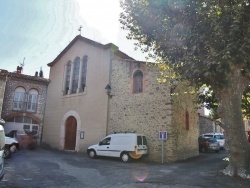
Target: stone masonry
point(28, 82)
point(152, 111)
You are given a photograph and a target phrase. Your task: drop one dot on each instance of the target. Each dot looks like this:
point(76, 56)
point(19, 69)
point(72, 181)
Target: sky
point(36, 31)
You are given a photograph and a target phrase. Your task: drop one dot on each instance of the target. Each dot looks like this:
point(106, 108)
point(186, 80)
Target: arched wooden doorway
point(70, 133)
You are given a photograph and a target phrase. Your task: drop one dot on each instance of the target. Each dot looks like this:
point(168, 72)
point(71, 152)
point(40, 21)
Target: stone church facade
point(79, 112)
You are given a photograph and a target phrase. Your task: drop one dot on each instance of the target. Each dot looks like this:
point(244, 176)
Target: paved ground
point(52, 168)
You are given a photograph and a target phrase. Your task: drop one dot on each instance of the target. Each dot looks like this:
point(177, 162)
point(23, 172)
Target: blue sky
point(38, 30)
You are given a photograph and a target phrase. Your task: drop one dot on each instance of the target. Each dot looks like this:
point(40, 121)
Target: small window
point(138, 82)
point(19, 97)
point(32, 100)
point(26, 127)
point(31, 129)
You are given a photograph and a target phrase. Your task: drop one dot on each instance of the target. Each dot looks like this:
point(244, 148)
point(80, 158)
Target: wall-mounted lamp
point(108, 90)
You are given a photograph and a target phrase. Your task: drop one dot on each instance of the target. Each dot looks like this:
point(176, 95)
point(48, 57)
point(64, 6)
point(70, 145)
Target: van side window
point(106, 141)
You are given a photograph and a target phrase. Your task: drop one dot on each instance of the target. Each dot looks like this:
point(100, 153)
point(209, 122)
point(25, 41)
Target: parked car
point(11, 145)
point(123, 145)
point(218, 136)
point(2, 144)
point(208, 144)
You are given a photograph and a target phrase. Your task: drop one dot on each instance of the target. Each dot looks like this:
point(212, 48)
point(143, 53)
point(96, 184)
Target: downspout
point(113, 49)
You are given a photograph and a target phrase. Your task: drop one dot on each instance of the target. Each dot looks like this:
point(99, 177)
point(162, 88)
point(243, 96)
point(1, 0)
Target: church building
point(96, 90)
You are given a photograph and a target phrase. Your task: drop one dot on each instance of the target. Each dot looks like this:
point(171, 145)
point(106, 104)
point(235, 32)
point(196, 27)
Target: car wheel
point(92, 154)
point(13, 148)
point(7, 153)
point(125, 157)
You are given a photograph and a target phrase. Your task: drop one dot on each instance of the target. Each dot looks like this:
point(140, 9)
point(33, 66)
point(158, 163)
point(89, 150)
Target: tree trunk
point(237, 144)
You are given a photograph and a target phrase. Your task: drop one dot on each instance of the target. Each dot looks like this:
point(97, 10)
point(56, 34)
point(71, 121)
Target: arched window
point(67, 78)
point(138, 82)
point(75, 75)
point(32, 100)
point(84, 72)
point(19, 97)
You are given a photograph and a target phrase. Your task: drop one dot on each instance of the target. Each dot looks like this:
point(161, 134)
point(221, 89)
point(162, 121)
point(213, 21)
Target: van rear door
point(141, 145)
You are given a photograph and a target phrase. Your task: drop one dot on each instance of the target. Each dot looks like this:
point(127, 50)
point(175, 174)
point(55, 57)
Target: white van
point(123, 145)
point(218, 136)
point(2, 145)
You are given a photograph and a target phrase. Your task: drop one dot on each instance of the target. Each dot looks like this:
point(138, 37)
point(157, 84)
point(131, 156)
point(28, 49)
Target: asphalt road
point(53, 168)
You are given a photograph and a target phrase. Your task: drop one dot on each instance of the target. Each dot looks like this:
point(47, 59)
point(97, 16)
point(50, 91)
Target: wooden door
point(70, 133)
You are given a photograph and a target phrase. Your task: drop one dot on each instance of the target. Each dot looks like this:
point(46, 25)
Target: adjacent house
point(208, 125)
point(24, 103)
point(96, 90)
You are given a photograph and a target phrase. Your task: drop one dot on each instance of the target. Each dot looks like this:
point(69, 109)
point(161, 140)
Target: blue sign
point(163, 135)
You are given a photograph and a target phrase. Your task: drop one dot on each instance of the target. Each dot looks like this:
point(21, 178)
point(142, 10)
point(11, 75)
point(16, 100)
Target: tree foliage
point(205, 42)
point(211, 103)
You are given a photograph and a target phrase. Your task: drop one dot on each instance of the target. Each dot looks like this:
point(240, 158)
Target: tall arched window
point(138, 82)
point(19, 98)
point(75, 75)
point(84, 71)
point(32, 100)
point(67, 78)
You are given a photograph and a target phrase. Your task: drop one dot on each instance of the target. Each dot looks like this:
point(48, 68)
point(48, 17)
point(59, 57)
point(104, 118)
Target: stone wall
point(185, 128)
point(207, 125)
point(27, 84)
point(149, 112)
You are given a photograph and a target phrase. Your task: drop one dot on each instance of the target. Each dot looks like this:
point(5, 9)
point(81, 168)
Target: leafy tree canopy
point(205, 41)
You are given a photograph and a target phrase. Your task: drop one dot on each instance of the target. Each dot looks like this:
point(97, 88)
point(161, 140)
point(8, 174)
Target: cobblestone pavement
point(53, 168)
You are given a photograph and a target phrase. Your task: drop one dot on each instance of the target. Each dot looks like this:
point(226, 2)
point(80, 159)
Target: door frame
point(62, 129)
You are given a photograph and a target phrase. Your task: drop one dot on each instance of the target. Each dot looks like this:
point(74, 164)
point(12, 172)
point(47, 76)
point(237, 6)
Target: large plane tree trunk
point(237, 144)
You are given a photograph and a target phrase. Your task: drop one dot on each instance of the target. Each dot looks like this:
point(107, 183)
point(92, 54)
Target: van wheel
point(125, 157)
point(92, 154)
point(7, 153)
